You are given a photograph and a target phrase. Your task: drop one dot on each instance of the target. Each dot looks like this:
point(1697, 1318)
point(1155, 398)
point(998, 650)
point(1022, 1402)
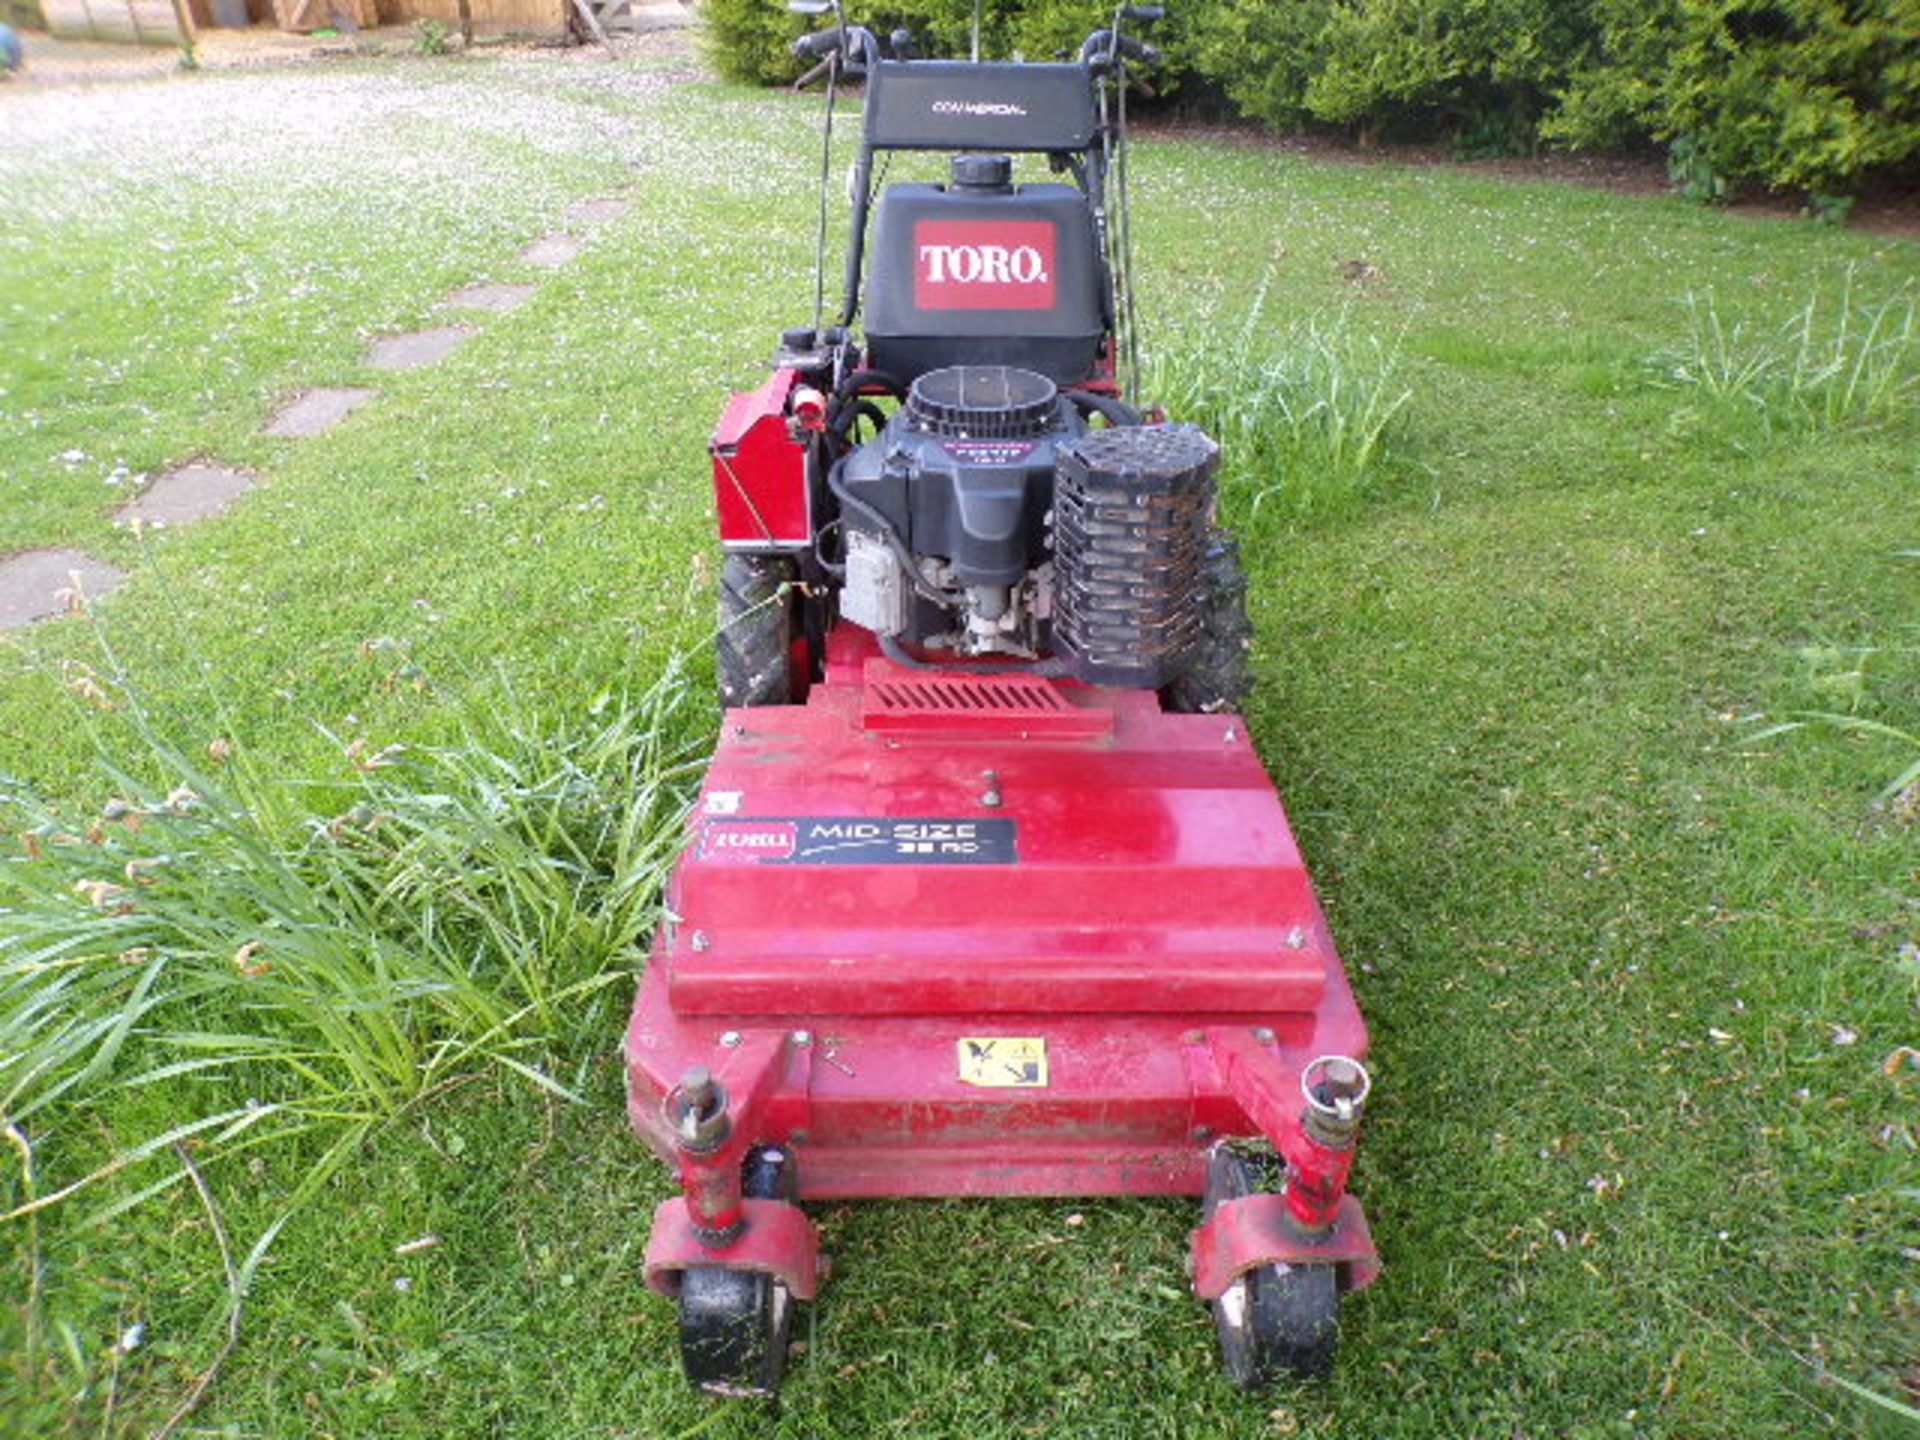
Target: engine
point(988, 518)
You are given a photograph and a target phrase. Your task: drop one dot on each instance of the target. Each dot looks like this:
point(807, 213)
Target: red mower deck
point(976, 936)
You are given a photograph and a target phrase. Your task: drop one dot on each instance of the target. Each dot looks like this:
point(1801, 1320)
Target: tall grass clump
point(1850, 362)
point(1841, 675)
point(302, 957)
point(1304, 414)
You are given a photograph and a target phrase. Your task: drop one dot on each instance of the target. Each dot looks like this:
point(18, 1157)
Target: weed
point(1693, 173)
point(1854, 363)
point(1840, 675)
point(1303, 415)
point(338, 949)
point(430, 37)
point(1825, 209)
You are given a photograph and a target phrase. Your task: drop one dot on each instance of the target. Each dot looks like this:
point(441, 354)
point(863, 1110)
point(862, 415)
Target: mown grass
point(1638, 1162)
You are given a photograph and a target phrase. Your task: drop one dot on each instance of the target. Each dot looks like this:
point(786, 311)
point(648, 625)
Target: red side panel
point(760, 470)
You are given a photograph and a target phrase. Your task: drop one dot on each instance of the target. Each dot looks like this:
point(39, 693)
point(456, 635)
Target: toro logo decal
point(747, 842)
point(983, 265)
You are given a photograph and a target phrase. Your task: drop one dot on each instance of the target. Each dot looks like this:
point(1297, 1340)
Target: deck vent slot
point(997, 703)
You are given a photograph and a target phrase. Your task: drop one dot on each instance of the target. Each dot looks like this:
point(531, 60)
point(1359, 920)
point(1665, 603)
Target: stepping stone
point(417, 348)
point(197, 491)
point(312, 412)
point(552, 251)
point(490, 297)
point(31, 584)
point(597, 212)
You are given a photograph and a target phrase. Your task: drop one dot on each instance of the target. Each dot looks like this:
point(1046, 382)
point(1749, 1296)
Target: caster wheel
point(1278, 1321)
point(734, 1328)
point(735, 1324)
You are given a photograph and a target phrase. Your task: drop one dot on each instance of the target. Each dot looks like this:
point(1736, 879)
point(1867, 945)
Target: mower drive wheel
point(1220, 677)
point(1277, 1321)
point(755, 644)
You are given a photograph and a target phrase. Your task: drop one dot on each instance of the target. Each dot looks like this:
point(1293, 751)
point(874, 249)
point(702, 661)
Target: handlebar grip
point(1143, 14)
point(816, 45)
point(1100, 47)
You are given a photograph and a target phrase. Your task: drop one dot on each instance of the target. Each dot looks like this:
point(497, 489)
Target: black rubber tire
point(755, 644)
point(1279, 1321)
point(734, 1329)
point(735, 1325)
point(1220, 677)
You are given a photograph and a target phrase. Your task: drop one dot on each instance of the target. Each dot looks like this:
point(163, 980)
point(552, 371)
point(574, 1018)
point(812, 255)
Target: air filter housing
point(1132, 508)
point(981, 402)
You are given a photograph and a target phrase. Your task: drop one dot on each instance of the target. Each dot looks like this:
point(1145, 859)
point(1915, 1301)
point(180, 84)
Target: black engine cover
point(964, 472)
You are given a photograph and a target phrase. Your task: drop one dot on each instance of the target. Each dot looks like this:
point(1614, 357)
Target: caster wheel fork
point(1275, 1322)
point(735, 1325)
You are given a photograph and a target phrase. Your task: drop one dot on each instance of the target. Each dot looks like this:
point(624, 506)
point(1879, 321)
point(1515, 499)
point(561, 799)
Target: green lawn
point(1636, 1162)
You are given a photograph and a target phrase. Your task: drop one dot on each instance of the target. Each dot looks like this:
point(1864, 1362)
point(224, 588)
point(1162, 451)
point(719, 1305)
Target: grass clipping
point(329, 953)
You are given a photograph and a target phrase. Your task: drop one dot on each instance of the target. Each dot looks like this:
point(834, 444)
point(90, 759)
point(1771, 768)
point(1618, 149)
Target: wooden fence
point(153, 22)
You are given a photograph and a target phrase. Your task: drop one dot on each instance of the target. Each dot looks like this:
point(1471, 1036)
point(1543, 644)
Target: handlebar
point(821, 43)
point(1100, 49)
point(812, 47)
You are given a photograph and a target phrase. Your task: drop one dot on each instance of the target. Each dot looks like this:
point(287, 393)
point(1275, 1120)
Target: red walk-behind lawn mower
point(987, 892)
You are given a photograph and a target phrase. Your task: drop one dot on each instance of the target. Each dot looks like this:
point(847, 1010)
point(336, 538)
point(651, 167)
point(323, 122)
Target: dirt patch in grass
point(490, 297)
point(39, 584)
point(417, 348)
point(313, 412)
point(196, 491)
point(551, 251)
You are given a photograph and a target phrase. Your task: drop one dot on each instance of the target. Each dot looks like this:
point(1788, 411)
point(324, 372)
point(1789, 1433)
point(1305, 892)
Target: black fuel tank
point(985, 277)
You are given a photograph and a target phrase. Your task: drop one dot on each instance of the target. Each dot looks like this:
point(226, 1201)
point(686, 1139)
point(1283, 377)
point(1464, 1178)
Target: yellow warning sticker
point(1003, 1061)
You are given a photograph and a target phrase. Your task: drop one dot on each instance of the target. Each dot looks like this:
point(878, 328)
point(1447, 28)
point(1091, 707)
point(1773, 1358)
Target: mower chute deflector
point(987, 892)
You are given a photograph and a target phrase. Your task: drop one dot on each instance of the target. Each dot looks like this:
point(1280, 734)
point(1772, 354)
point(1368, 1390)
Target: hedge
point(1809, 94)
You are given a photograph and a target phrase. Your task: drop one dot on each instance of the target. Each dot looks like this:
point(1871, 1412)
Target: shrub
point(747, 40)
point(1795, 93)
point(1484, 68)
point(430, 37)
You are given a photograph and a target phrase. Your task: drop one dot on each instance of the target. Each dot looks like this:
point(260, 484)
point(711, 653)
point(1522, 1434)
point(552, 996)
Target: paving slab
point(490, 297)
point(313, 412)
point(417, 347)
point(38, 584)
point(551, 251)
point(597, 212)
point(196, 491)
